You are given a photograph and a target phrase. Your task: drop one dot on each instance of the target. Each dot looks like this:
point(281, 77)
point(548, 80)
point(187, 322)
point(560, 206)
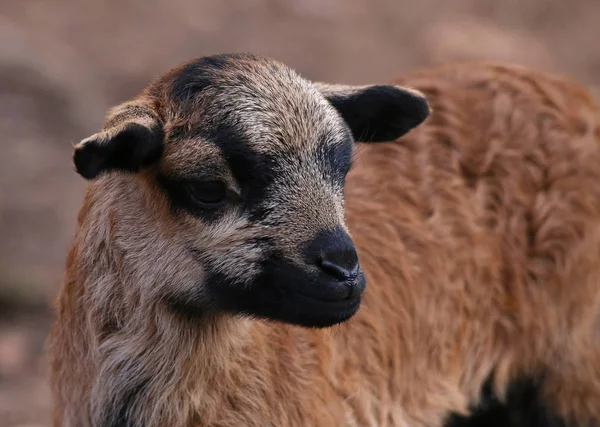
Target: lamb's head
point(245, 162)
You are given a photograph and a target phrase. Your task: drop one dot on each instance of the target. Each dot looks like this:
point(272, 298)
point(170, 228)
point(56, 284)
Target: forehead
point(250, 102)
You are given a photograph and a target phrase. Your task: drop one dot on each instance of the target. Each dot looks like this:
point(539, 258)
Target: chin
point(311, 312)
point(290, 296)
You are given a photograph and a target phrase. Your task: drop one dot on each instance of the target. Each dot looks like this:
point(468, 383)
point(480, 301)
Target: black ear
point(377, 113)
point(131, 139)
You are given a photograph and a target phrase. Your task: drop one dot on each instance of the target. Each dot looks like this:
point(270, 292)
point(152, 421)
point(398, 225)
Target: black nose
point(334, 252)
point(340, 265)
point(339, 276)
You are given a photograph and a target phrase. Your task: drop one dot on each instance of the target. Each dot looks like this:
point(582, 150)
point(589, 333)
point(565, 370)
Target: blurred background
point(64, 62)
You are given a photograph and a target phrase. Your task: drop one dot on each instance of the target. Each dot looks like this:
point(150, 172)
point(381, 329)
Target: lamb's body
point(479, 235)
point(485, 222)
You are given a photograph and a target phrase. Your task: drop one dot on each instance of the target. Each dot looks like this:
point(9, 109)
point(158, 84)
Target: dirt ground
point(64, 62)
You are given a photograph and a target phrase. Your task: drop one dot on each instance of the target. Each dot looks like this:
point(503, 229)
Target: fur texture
point(478, 233)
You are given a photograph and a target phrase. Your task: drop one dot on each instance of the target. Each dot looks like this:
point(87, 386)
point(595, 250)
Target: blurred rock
point(468, 38)
point(14, 353)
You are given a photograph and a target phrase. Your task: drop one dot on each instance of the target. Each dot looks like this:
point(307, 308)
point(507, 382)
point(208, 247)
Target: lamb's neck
point(168, 369)
point(154, 365)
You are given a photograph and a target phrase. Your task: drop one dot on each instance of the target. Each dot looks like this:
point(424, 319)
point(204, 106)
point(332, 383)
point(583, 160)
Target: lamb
point(257, 249)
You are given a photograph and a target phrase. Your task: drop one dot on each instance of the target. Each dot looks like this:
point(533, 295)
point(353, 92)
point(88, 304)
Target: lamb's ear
point(131, 139)
point(377, 113)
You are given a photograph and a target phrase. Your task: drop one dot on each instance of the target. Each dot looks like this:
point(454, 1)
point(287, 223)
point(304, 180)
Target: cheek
point(165, 266)
point(240, 263)
point(231, 247)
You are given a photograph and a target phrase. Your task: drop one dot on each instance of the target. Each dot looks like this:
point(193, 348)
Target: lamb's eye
point(207, 194)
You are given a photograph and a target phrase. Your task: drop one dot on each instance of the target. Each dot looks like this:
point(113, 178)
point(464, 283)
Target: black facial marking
point(523, 408)
point(253, 171)
point(270, 297)
point(380, 113)
point(282, 292)
point(178, 194)
point(247, 165)
point(130, 150)
point(195, 76)
point(336, 160)
point(306, 295)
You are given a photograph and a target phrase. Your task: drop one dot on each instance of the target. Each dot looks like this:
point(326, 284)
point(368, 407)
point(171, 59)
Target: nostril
point(338, 271)
point(333, 252)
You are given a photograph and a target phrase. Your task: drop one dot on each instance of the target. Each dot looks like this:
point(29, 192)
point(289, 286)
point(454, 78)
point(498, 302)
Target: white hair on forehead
point(278, 111)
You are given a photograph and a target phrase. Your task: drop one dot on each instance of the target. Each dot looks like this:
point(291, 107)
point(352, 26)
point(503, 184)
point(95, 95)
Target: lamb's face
point(252, 160)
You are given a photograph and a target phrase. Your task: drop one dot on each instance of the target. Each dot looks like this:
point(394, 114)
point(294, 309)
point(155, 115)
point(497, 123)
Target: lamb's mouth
point(314, 312)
